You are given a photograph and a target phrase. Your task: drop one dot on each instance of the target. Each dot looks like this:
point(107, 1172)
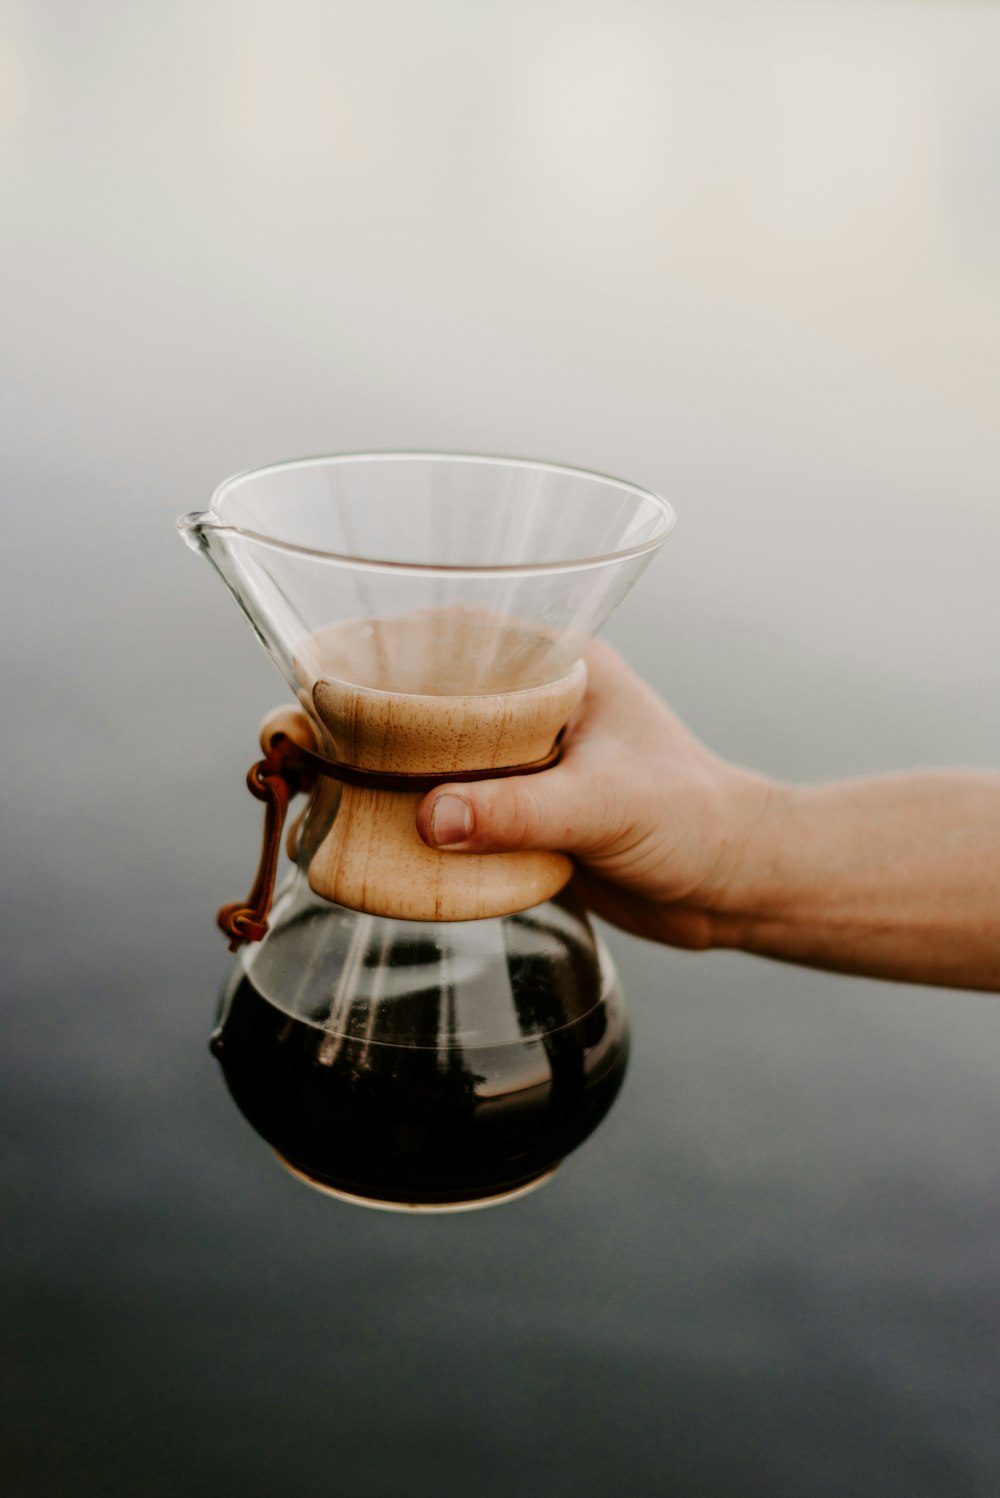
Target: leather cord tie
point(275, 779)
point(286, 770)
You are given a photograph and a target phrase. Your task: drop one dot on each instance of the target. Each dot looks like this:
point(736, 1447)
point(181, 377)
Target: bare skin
point(894, 877)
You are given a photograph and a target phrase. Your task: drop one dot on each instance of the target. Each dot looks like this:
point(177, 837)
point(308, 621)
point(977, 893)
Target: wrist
point(754, 812)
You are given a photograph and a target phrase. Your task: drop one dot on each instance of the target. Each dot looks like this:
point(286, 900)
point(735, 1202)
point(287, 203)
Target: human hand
point(656, 823)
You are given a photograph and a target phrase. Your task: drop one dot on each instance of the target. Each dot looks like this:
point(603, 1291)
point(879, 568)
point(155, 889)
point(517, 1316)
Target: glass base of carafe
point(380, 1205)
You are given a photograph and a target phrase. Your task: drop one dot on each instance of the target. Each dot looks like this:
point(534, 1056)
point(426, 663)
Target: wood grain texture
point(372, 858)
point(293, 723)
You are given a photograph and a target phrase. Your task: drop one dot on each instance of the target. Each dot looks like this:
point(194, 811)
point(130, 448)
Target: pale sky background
point(748, 254)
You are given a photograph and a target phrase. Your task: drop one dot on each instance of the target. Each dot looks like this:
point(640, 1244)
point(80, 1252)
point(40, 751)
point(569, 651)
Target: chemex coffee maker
point(411, 1028)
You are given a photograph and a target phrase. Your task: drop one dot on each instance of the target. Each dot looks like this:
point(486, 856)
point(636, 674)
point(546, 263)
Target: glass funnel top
point(442, 511)
point(494, 572)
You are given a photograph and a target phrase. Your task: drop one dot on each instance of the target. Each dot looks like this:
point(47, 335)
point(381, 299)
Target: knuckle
point(516, 817)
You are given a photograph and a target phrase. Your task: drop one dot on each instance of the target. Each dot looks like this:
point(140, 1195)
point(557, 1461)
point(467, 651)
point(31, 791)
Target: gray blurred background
point(742, 251)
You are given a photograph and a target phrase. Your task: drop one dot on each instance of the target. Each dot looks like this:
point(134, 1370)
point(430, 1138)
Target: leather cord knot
point(288, 769)
point(275, 779)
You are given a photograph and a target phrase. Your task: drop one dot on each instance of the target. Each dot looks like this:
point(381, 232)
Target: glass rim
point(212, 520)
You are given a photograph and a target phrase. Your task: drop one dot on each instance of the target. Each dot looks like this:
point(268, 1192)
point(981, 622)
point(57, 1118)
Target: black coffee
point(423, 1124)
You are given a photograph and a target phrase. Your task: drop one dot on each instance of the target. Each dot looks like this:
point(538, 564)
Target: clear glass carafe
point(423, 1063)
point(409, 1027)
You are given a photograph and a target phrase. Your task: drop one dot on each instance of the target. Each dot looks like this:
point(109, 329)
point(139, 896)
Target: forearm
point(896, 877)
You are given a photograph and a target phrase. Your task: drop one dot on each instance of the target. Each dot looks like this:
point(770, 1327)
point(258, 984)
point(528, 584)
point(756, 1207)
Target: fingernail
point(451, 821)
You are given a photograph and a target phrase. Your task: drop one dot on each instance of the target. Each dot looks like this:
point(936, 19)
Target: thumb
point(527, 811)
